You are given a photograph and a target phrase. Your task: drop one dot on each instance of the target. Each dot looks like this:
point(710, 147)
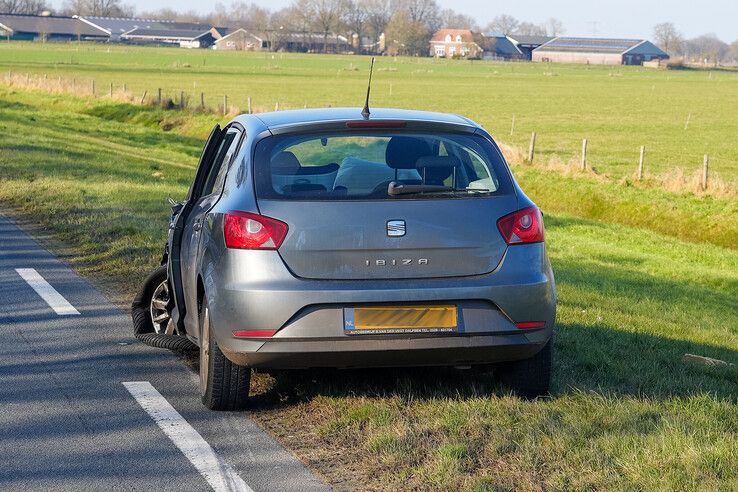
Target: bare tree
point(668, 38)
point(240, 14)
point(554, 27)
point(327, 16)
point(506, 24)
point(734, 52)
point(424, 11)
point(453, 20)
point(104, 8)
point(530, 29)
point(356, 17)
point(23, 6)
point(378, 15)
point(405, 36)
point(707, 48)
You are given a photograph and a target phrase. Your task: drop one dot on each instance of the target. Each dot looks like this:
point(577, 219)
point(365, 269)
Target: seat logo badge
point(395, 228)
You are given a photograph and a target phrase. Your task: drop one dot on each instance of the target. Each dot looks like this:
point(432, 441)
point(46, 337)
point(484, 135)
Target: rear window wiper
point(402, 189)
point(395, 189)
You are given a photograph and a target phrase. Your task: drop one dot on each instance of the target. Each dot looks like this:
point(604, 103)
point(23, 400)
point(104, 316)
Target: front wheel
point(223, 384)
point(529, 378)
point(150, 309)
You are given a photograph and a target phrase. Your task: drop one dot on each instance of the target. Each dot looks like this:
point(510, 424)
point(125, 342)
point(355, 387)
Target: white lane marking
point(219, 475)
point(49, 294)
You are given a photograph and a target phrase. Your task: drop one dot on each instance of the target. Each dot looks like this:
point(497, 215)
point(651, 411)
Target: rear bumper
point(361, 351)
point(253, 290)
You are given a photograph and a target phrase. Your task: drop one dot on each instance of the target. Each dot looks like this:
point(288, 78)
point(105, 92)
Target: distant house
point(526, 44)
point(452, 43)
point(604, 51)
point(242, 40)
point(498, 46)
point(184, 37)
point(48, 28)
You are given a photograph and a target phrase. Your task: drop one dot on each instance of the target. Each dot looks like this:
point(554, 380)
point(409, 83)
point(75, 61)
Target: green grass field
point(617, 108)
point(644, 275)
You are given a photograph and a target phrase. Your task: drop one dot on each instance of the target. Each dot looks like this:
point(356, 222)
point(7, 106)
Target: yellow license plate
point(401, 319)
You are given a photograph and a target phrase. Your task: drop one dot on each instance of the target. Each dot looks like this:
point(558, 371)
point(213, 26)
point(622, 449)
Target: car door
point(176, 228)
point(206, 198)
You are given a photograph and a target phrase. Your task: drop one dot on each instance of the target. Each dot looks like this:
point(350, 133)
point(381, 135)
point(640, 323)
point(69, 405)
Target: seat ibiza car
point(328, 238)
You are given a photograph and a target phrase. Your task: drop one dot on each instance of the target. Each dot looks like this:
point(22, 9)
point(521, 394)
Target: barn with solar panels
point(598, 51)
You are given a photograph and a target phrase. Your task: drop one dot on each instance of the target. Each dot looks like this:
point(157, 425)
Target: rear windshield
point(366, 166)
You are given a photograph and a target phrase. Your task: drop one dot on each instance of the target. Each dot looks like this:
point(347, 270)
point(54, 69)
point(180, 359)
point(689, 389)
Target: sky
point(622, 18)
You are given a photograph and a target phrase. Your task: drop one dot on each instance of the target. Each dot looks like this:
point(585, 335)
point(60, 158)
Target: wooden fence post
point(202, 100)
point(640, 162)
point(705, 164)
point(532, 147)
point(181, 100)
point(93, 87)
point(225, 105)
point(158, 97)
point(248, 104)
point(111, 90)
point(512, 126)
point(143, 98)
point(584, 154)
point(125, 88)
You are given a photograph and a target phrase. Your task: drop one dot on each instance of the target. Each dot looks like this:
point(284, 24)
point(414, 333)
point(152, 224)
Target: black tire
point(177, 343)
point(223, 384)
point(140, 313)
point(529, 378)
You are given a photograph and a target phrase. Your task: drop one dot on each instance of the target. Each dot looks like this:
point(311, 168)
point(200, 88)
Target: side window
point(218, 170)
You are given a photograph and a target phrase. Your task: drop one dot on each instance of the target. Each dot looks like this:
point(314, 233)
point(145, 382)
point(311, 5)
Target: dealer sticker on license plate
point(401, 319)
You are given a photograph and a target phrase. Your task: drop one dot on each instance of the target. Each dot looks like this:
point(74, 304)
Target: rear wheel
point(223, 384)
point(529, 378)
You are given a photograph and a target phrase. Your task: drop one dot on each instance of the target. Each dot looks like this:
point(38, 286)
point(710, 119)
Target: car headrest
point(437, 169)
point(403, 152)
point(285, 163)
point(437, 161)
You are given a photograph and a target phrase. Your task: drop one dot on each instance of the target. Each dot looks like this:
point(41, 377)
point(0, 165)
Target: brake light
point(376, 124)
point(245, 230)
point(523, 226)
point(530, 324)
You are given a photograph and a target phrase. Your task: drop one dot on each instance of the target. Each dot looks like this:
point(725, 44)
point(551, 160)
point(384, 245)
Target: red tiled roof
point(466, 35)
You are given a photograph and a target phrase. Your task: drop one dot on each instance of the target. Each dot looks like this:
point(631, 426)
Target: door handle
point(197, 225)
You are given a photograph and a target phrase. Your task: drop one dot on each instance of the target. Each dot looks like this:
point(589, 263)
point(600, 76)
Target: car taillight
point(521, 227)
point(246, 230)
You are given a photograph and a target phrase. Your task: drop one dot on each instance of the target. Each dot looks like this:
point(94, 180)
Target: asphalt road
point(67, 421)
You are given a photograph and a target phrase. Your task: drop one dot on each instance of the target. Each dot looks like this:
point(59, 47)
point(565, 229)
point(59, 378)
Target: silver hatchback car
point(324, 238)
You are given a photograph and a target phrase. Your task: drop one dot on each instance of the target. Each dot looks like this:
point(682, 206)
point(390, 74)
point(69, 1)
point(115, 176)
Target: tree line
point(707, 49)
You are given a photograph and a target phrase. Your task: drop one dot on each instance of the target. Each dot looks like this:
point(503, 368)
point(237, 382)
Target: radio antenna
point(365, 112)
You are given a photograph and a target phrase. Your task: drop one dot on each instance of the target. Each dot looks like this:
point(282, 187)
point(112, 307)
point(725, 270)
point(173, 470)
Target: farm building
point(598, 51)
point(184, 37)
point(48, 28)
point(117, 26)
point(241, 40)
point(306, 42)
point(526, 44)
point(497, 46)
point(455, 43)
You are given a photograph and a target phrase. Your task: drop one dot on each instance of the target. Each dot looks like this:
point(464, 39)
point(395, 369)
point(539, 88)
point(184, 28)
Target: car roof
point(310, 117)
